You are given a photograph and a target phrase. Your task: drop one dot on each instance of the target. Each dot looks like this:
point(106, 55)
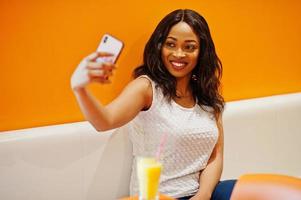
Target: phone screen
point(111, 45)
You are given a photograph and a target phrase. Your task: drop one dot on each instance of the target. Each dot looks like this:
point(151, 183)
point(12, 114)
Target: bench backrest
point(73, 161)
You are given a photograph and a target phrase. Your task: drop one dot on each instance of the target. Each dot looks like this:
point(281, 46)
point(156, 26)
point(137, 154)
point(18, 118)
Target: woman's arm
point(211, 175)
point(135, 97)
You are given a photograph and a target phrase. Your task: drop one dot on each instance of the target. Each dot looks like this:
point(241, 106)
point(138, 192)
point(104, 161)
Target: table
point(161, 197)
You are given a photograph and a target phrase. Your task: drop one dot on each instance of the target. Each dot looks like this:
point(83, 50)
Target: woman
point(176, 91)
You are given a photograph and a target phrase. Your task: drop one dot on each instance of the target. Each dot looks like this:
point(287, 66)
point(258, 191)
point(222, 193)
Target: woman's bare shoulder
point(142, 85)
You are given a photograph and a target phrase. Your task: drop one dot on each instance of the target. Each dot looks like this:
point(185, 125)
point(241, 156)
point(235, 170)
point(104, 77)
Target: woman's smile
point(178, 65)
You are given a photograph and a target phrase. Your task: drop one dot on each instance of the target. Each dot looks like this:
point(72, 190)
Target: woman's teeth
point(178, 64)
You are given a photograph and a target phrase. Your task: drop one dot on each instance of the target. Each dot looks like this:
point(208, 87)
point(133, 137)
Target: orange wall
point(41, 42)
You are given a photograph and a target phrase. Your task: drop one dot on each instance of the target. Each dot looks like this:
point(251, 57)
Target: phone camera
point(105, 40)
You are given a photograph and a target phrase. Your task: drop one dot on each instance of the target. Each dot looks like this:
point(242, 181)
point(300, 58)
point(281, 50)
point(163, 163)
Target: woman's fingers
point(100, 70)
point(95, 55)
point(101, 80)
point(100, 73)
point(92, 56)
point(96, 65)
point(89, 70)
point(103, 54)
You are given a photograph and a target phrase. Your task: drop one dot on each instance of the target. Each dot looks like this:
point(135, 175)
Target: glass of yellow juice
point(148, 171)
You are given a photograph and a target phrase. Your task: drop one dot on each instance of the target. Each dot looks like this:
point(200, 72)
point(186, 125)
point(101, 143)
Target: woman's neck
point(183, 88)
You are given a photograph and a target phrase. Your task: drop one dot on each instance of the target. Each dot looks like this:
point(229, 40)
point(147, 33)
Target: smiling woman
point(181, 50)
point(176, 93)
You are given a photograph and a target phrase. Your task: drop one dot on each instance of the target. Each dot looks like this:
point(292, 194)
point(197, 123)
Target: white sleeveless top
point(191, 136)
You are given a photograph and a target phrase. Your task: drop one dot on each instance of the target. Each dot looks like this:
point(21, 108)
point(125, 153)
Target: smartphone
point(111, 45)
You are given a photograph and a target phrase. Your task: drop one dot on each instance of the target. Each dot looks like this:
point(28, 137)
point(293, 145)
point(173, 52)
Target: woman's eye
point(170, 44)
point(190, 47)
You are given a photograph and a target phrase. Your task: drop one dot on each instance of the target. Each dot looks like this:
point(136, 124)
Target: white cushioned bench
point(73, 161)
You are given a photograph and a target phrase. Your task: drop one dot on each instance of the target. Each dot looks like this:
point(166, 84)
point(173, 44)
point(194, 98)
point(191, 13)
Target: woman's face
point(180, 50)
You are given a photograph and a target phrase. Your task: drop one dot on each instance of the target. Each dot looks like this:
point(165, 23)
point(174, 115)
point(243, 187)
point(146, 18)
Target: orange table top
point(161, 197)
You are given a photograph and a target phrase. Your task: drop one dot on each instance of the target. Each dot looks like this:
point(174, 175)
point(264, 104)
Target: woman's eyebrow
point(169, 37)
point(175, 39)
point(191, 41)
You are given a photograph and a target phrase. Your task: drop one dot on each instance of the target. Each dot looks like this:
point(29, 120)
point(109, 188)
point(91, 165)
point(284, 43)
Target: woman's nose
point(179, 53)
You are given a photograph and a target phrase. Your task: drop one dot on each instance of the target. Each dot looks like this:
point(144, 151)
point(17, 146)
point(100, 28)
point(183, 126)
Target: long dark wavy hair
point(208, 71)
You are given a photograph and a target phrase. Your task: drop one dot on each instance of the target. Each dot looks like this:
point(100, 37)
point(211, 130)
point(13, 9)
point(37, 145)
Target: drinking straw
point(161, 145)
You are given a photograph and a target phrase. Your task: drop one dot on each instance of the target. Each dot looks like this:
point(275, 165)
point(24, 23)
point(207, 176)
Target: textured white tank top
point(192, 135)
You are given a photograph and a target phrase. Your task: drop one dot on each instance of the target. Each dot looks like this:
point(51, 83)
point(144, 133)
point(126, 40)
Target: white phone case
point(111, 45)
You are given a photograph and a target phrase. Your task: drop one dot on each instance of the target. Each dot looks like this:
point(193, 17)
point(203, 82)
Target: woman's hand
point(91, 69)
point(199, 196)
point(195, 198)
